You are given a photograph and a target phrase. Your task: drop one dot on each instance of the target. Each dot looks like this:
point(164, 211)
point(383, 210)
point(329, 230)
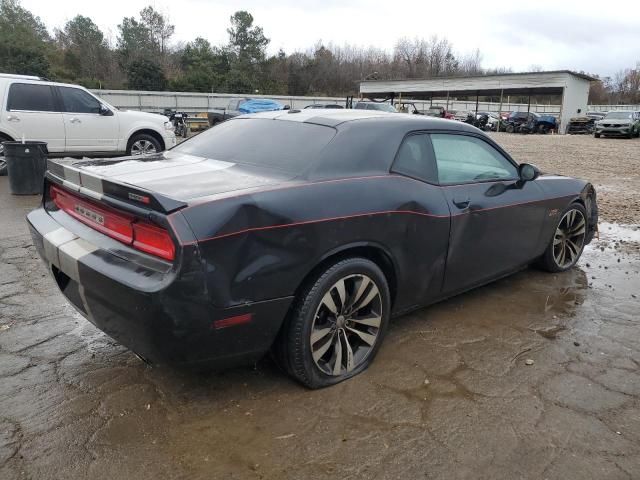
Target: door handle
point(12, 118)
point(461, 202)
point(75, 120)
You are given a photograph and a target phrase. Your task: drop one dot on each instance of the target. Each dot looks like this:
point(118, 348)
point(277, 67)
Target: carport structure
point(571, 87)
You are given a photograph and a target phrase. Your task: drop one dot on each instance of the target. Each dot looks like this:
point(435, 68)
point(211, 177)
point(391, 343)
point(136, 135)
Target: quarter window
point(464, 159)
point(415, 159)
point(31, 97)
point(78, 101)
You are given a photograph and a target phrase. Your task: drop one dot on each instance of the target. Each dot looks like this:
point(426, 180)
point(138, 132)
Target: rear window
point(31, 97)
point(280, 144)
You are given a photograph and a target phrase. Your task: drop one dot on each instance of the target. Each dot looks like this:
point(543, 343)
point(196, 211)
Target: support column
point(447, 101)
point(499, 112)
point(477, 100)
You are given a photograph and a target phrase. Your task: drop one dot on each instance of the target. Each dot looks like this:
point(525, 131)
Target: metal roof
point(550, 83)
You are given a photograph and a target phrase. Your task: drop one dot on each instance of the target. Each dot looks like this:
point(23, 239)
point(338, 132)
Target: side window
point(463, 159)
point(31, 97)
point(415, 159)
point(78, 101)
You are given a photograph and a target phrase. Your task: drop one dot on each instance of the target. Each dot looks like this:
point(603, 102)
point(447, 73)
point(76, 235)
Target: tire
point(510, 129)
point(319, 311)
point(553, 260)
point(597, 135)
point(3, 163)
point(143, 144)
point(542, 129)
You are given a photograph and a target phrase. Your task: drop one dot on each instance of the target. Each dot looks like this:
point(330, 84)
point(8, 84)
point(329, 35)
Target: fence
point(202, 102)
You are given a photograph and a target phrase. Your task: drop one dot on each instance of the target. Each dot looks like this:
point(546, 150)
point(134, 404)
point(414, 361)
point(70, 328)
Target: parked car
point(408, 107)
point(440, 112)
point(619, 123)
point(530, 122)
point(460, 115)
point(322, 105)
point(305, 237)
point(379, 106)
point(73, 121)
point(581, 125)
point(217, 115)
point(596, 115)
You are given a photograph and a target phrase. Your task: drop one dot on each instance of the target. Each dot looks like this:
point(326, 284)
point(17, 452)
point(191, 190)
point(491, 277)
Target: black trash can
point(26, 164)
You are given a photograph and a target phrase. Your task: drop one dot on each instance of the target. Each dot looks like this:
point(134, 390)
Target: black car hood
point(181, 176)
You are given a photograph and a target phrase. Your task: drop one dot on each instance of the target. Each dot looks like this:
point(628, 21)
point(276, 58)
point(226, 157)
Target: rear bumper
point(162, 315)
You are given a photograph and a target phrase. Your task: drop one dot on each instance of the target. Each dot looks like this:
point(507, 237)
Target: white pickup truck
point(75, 122)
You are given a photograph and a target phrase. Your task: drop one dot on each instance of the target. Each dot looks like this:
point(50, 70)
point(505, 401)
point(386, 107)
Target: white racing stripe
point(70, 253)
point(52, 242)
point(71, 174)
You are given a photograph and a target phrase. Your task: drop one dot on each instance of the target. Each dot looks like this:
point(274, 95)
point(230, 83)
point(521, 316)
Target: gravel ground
point(611, 164)
point(536, 376)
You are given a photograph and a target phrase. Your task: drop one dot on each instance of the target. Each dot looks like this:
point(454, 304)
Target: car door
point(496, 219)
point(427, 237)
point(32, 112)
point(87, 129)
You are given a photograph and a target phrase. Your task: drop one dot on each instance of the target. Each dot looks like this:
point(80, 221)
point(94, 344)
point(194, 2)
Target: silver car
point(621, 123)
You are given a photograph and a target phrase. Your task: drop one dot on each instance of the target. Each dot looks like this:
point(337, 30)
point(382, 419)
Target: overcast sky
point(569, 34)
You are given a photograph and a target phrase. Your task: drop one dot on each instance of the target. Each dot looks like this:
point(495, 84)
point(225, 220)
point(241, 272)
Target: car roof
point(336, 117)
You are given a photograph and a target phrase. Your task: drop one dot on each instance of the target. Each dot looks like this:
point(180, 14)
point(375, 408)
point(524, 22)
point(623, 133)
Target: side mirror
point(528, 172)
point(104, 111)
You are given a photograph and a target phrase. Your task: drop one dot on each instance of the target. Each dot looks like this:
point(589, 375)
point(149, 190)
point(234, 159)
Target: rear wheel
point(3, 162)
point(542, 129)
point(143, 144)
point(510, 129)
point(597, 135)
point(337, 325)
point(567, 243)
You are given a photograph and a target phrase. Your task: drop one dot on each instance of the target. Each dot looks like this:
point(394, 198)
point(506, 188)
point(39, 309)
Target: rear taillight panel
point(154, 240)
point(126, 228)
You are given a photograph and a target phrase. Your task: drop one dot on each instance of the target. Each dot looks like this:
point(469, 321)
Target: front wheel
point(568, 240)
point(143, 144)
point(597, 135)
point(337, 325)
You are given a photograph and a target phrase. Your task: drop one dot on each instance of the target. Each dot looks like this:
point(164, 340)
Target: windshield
point(383, 107)
point(280, 144)
point(619, 115)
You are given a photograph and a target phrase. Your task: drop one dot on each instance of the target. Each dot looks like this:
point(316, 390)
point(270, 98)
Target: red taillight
point(126, 228)
point(154, 240)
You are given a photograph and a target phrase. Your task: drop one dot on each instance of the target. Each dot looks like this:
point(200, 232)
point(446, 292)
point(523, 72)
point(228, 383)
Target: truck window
point(31, 97)
point(78, 101)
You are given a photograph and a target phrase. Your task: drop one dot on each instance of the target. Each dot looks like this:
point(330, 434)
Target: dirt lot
point(611, 164)
point(449, 396)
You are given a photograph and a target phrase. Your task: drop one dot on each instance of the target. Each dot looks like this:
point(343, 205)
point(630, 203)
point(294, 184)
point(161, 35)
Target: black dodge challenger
point(300, 233)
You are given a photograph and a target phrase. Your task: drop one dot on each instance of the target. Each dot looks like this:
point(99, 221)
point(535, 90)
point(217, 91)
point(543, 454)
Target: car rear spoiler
point(119, 195)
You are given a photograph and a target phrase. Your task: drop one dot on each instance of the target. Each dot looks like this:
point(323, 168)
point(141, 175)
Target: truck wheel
point(3, 163)
point(143, 144)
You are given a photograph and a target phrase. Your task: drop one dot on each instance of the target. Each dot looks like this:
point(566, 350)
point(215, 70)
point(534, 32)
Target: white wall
point(576, 95)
